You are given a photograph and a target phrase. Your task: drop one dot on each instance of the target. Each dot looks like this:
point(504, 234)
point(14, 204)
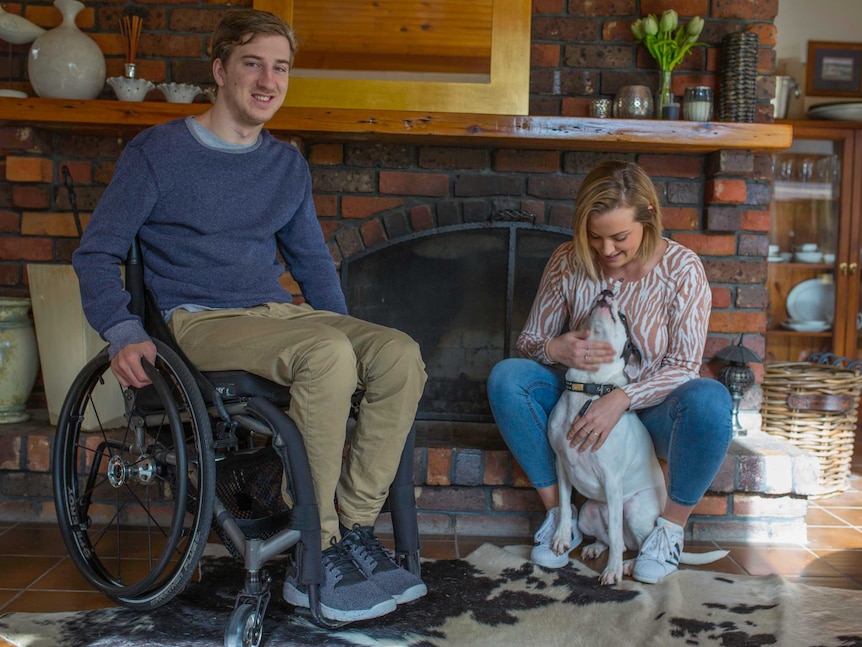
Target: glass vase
point(664, 96)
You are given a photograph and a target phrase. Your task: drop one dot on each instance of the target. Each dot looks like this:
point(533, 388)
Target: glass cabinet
point(814, 244)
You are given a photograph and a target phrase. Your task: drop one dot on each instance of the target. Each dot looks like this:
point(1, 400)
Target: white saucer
point(807, 326)
point(776, 259)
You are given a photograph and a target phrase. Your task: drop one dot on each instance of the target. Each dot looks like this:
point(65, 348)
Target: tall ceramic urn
point(65, 63)
point(19, 359)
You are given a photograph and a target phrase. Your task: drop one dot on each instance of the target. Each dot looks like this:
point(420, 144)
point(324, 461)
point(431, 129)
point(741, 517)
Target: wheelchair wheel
point(245, 628)
point(134, 490)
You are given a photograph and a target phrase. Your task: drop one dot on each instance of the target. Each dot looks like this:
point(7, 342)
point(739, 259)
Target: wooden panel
point(398, 27)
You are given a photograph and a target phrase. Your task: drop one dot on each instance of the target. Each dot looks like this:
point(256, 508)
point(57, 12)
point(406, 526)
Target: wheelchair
point(140, 475)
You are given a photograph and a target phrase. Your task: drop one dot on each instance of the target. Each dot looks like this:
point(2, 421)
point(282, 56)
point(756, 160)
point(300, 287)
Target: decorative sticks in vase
point(131, 25)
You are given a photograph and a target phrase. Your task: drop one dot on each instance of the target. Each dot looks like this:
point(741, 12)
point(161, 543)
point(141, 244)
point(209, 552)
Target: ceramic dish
point(130, 89)
point(811, 300)
point(782, 257)
point(807, 326)
point(843, 111)
point(179, 92)
point(808, 257)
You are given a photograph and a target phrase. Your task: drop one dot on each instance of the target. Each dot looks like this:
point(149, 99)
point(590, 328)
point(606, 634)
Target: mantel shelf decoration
point(65, 63)
point(668, 42)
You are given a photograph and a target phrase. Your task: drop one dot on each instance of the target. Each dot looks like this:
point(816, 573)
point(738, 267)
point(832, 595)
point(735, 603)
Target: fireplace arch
point(463, 292)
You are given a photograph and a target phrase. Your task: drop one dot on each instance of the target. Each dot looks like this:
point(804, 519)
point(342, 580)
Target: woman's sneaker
point(346, 595)
point(542, 554)
point(379, 567)
point(659, 554)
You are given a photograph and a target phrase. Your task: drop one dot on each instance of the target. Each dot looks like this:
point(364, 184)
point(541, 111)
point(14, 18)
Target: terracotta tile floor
point(37, 574)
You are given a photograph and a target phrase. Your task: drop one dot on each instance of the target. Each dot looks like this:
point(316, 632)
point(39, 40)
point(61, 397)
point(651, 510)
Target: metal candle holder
point(737, 376)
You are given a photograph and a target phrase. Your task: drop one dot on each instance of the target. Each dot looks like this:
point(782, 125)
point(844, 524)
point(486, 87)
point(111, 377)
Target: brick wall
point(365, 193)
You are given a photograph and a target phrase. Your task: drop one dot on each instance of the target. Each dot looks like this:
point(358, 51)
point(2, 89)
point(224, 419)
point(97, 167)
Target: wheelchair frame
point(153, 476)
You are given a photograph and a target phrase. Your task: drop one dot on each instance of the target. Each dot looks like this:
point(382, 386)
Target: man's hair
point(612, 185)
point(241, 26)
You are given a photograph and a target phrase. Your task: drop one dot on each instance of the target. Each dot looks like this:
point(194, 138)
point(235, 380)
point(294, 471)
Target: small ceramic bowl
point(130, 89)
point(179, 92)
point(808, 257)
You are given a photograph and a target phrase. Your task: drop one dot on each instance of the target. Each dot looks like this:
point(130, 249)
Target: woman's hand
point(591, 430)
point(575, 350)
point(127, 367)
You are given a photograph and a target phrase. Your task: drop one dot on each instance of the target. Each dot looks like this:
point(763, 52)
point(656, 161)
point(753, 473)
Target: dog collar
point(590, 388)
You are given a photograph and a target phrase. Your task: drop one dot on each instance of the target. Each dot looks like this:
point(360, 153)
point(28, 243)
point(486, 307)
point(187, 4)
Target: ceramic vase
point(65, 63)
point(19, 359)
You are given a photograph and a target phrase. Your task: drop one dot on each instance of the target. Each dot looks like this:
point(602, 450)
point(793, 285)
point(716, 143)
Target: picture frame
point(834, 69)
point(504, 90)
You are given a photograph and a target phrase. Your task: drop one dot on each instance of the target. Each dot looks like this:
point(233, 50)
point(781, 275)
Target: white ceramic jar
point(65, 63)
point(19, 359)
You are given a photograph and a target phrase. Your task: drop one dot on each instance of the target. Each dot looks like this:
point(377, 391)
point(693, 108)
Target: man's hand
point(127, 366)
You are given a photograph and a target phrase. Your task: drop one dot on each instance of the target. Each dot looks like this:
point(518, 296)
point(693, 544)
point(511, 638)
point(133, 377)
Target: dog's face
point(607, 323)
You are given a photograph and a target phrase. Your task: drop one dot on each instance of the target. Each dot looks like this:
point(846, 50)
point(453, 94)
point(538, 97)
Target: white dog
point(622, 480)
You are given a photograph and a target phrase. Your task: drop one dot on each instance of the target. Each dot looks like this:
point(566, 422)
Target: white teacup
point(774, 249)
point(808, 247)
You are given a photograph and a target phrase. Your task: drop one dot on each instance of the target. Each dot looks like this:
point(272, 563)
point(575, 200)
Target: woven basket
point(815, 407)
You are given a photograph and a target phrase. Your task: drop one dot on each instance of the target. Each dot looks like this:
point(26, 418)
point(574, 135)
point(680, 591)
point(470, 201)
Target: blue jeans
point(691, 429)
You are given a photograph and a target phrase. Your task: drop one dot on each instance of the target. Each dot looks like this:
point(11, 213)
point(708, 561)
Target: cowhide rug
point(492, 598)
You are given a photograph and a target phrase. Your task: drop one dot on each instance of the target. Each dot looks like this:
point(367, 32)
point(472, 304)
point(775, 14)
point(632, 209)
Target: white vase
point(65, 63)
point(19, 359)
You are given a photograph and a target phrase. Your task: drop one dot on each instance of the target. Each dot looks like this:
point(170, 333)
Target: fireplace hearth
point(463, 293)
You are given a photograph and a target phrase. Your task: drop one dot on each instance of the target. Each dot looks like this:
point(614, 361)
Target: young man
point(213, 200)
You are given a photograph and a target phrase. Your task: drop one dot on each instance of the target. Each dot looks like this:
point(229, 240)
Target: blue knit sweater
point(210, 222)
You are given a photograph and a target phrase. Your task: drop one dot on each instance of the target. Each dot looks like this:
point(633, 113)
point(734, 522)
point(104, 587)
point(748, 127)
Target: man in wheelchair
point(213, 200)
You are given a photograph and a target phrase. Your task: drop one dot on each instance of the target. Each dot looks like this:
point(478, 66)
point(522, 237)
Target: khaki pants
point(323, 357)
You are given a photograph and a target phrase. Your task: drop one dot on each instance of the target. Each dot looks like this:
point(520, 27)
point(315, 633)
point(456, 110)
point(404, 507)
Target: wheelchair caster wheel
point(245, 628)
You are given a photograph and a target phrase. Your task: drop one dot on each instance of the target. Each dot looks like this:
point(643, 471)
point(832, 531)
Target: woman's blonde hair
point(613, 185)
point(241, 26)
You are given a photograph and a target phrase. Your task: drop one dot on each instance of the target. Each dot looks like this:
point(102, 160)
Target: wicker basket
point(814, 406)
point(738, 88)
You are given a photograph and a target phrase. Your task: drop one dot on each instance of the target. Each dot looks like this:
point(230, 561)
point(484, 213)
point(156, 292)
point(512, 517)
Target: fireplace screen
point(463, 294)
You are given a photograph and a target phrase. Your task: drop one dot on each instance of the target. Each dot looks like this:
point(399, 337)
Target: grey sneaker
point(659, 554)
point(346, 595)
point(379, 567)
point(542, 554)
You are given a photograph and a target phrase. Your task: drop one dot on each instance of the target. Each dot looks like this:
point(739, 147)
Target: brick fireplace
point(382, 180)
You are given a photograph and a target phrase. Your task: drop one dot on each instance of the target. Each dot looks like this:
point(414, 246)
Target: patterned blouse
point(667, 309)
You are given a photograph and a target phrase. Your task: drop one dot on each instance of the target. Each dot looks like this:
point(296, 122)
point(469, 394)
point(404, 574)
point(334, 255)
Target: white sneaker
point(542, 553)
point(659, 555)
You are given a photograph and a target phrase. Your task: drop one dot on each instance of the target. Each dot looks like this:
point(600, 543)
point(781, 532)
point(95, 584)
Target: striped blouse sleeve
point(549, 313)
point(689, 303)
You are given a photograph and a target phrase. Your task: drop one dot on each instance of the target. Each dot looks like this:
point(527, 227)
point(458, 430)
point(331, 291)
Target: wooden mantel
point(505, 131)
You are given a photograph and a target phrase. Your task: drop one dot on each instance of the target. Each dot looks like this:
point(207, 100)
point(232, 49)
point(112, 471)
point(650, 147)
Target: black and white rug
point(493, 598)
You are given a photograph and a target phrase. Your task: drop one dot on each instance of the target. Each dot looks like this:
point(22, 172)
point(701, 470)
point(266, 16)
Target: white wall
point(799, 21)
